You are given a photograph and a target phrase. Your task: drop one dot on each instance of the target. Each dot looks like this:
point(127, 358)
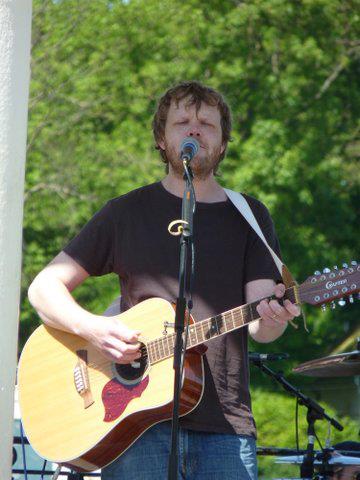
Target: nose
point(194, 131)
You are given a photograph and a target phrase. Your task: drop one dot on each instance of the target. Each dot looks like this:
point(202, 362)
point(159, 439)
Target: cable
point(317, 438)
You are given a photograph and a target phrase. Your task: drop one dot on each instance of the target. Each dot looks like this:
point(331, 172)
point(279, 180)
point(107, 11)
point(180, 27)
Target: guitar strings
point(157, 347)
point(163, 347)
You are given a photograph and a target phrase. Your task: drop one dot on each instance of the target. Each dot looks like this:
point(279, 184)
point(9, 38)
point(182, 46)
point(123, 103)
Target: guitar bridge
point(81, 378)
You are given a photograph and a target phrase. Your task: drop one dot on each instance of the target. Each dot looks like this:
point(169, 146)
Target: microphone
point(267, 357)
point(188, 149)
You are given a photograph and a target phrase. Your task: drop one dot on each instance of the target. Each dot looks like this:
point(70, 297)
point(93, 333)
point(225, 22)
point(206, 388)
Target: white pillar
point(15, 35)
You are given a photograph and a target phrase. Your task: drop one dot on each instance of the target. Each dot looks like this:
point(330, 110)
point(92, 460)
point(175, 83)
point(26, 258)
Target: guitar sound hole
point(132, 373)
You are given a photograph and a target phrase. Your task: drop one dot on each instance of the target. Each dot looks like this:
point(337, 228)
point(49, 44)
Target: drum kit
point(338, 462)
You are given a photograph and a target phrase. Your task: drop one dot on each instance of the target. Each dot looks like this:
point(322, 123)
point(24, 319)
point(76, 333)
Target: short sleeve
point(259, 263)
point(93, 247)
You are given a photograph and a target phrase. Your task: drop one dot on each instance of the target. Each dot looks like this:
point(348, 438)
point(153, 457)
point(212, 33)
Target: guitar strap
point(244, 208)
point(242, 205)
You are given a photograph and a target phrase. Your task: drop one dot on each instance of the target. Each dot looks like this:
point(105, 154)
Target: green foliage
point(291, 73)
point(289, 69)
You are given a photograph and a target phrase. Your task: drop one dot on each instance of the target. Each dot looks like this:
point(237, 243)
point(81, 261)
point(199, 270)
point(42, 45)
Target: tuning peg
point(335, 267)
point(332, 305)
point(323, 307)
point(351, 299)
point(353, 263)
point(341, 302)
point(326, 270)
point(317, 272)
point(345, 265)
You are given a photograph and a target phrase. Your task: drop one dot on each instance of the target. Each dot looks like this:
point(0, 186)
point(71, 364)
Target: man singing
point(129, 236)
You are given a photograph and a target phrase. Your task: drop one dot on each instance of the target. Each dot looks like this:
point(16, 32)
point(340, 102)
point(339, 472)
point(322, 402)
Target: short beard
point(201, 169)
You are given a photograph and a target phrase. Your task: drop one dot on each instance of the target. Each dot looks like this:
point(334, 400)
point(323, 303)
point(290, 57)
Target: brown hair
point(197, 93)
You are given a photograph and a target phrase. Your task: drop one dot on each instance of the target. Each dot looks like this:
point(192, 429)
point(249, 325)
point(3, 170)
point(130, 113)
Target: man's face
point(204, 125)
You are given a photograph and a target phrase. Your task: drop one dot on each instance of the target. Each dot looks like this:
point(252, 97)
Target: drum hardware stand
point(315, 412)
point(307, 466)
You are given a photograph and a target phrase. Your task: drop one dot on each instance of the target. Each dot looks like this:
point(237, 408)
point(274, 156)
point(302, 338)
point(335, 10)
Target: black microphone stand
point(315, 412)
point(186, 246)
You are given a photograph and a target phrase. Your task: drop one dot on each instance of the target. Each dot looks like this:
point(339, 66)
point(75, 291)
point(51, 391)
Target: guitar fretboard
point(203, 331)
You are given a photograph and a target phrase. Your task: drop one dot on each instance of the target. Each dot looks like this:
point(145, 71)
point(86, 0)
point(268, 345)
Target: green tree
point(289, 69)
point(290, 72)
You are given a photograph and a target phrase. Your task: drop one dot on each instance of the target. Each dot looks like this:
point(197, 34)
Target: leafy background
point(291, 73)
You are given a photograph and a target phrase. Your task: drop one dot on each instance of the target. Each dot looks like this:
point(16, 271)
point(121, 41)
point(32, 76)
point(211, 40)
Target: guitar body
point(81, 410)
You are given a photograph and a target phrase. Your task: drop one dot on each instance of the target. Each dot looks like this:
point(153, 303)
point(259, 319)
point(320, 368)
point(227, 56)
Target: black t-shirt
point(129, 236)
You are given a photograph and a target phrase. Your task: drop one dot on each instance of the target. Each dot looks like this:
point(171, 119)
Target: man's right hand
point(50, 294)
point(113, 339)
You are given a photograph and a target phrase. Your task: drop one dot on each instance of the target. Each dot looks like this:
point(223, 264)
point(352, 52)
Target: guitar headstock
point(325, 287)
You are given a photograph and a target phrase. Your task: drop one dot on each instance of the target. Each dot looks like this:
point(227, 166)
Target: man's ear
point(161, 144)
point(223, 147)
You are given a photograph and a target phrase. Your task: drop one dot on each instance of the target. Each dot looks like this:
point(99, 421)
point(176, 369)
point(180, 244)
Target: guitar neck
point(203, 331)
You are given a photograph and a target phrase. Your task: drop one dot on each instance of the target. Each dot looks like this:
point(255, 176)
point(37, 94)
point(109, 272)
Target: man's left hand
point(273, 314)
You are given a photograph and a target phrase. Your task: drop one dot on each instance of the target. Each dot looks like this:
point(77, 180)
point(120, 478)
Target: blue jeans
point(202, 456)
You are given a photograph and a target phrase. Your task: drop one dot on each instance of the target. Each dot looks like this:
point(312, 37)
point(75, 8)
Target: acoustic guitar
point(83, 411)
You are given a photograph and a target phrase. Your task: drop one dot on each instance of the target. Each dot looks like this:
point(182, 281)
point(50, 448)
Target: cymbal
point(292, 453)
point(342, 365)
point(335, 459)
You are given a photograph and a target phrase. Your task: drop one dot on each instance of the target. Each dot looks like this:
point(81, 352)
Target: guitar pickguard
point(116, 396)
